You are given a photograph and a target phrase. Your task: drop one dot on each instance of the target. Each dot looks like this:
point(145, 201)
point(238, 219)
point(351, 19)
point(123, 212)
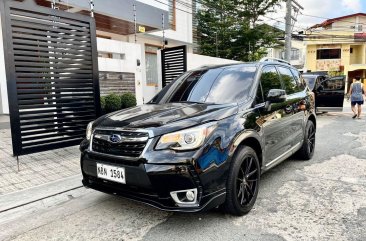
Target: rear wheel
point(307, 150)
point(243, 182)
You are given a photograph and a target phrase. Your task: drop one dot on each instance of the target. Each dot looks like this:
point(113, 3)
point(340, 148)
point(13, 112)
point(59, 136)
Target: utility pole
point(288, 31)
point(290, 21)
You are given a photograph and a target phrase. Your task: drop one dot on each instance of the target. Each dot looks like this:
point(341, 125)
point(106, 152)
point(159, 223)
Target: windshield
point(218, 86)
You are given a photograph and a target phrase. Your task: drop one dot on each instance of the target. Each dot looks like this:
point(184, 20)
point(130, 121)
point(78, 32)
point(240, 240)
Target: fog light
point(185, 198)
point(190, 196)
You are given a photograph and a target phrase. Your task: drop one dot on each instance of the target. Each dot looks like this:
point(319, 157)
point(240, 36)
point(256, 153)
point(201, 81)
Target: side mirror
point(276, 96)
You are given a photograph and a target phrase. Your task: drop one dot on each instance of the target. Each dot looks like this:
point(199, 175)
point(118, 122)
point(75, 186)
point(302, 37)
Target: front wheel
point(307, 150)
point(243, 182)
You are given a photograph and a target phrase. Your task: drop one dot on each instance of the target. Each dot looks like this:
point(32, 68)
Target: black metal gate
point(52, 75)
point(173, 62)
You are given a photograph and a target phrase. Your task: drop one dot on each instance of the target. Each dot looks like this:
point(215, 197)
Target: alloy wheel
point(311, 139)
point(247, 181)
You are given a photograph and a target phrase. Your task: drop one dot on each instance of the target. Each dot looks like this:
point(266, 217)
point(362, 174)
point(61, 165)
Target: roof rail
point(264, 59)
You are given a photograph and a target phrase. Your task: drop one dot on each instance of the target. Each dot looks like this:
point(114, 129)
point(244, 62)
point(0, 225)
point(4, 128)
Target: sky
point(321, 9)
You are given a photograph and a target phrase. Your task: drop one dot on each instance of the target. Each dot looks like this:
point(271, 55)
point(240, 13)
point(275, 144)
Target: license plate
point(111, 173)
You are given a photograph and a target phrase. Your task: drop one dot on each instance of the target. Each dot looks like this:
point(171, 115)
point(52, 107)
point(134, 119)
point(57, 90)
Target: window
point(335, 83)
point(288, 80)
point(259, 95)
point(299, 79)
point(219, 86)
point(105, 55)
point(295, 54)
point(328, 54)
point(270, 80)
point(151, 61)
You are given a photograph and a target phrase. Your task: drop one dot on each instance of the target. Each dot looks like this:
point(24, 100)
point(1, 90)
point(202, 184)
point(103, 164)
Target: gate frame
point(163, 69)
point(31, 5)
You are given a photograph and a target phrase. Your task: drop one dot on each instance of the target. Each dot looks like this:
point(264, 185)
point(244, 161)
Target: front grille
point(132, 143)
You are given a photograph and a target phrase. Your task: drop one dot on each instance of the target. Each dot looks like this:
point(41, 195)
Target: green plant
point(128, 100)
point(102, 103)
point(112, 102)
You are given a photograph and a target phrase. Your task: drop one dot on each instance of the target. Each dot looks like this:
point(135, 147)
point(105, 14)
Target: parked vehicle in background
point(205, 139)
point(329, 91)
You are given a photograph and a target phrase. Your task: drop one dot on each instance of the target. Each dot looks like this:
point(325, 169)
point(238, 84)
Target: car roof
point(241, 64)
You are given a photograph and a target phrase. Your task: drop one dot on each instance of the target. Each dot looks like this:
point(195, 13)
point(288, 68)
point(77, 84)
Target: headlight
point(186, 139)
point(89, 130)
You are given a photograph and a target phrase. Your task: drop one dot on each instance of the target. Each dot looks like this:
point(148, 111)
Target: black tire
point(243, 182)
point(307, 149)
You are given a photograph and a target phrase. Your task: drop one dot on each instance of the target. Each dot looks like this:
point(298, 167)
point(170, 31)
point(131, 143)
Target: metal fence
point(174, 63)
point(52, 75)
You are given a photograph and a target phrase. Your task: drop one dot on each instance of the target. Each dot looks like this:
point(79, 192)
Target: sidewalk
point(35, 169)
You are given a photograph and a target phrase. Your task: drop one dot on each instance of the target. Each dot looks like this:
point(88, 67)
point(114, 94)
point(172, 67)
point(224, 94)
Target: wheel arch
point(252, 140)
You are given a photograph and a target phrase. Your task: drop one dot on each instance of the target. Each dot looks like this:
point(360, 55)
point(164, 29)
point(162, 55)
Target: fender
point(245, 135)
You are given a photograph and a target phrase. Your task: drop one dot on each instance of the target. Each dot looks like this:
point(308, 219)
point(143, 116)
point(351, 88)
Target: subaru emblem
point(115, 138)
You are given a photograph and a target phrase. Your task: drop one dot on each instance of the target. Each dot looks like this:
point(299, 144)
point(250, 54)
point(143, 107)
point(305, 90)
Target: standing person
point(355, 91)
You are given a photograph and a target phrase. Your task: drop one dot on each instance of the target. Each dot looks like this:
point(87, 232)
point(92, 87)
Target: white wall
point(4, 104)
point(196, 61)
point(132, 53)
point(183, 31)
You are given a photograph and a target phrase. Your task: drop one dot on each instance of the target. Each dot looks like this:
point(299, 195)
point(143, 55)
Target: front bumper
point(150, 183)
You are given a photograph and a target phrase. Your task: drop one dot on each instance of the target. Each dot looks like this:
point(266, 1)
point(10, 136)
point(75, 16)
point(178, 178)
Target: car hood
point(164, 118)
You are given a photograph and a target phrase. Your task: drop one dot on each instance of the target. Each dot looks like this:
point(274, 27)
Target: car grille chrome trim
point(131, 145)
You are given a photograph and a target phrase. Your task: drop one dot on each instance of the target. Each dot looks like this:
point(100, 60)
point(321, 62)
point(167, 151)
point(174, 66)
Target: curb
point(23, 197)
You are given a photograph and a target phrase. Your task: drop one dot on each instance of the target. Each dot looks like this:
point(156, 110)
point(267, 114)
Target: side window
point(288, 80)
point(299, 79)
point(335, 83)
point(270, 80)
point(259, 95)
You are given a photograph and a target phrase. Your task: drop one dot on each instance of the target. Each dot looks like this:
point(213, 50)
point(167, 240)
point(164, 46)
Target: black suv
point(205, 139)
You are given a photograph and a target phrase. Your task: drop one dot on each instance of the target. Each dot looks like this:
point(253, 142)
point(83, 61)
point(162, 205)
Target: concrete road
point(320, 199)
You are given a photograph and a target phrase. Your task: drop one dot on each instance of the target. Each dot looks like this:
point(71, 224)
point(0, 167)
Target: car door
point(329, 94)
point(293, 109)
point(273, 118)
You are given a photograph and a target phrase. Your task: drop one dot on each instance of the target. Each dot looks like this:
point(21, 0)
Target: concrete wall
point(4, 104)
point(132, 53)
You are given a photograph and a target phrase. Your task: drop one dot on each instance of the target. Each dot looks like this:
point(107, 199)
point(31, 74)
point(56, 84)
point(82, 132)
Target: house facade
point(338, 45)
point(298, 52)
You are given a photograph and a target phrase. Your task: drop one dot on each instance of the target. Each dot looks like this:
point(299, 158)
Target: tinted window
point(310, 81)
point(335, 83)
point(219, 86)
point(288, 80)
point(299, 79)
point(259, 98)
point(270, 80)
point(232, 85)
